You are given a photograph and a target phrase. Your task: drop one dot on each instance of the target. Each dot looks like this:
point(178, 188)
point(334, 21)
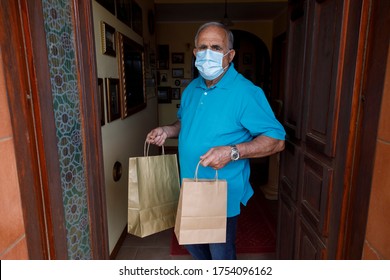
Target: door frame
point(362, 144)
point(33, 133)
point(31, 106)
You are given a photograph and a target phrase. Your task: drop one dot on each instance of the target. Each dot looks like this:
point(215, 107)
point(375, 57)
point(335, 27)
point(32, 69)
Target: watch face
point(234, 155)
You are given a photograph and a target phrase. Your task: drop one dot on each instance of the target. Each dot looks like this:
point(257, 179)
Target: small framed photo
point(162, 64)
point(164, 94)
point(185, 82)
point(113, 99)
point(108, 39)
point(175, 93)
point(177, 58)
point(101, 101)
point(177, 72)
point(162, 77)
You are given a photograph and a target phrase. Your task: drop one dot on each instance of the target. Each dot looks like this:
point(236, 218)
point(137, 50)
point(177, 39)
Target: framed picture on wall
point(175, 93)
point(113, 99)
point(177, 72)
point(185, 82)
point(101, 100)
point(164, 94)
point(136, 17)
point(162, 78)
point(132, 73)
point(123, 8)
point(108, 39)
point(177, 58)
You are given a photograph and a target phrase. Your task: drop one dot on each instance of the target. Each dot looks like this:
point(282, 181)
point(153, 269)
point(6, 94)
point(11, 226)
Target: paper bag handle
point(196, 173)
point(146, 149)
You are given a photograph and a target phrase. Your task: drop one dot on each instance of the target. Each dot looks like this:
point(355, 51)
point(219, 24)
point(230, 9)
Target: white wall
point(122, 138)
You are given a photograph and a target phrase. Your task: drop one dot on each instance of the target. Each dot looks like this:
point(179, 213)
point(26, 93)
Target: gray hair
point(229, 34)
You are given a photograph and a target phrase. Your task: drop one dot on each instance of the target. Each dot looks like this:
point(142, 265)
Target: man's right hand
point(157, 136)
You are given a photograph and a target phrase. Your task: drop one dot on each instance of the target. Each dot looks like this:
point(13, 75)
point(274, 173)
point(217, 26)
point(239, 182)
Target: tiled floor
point(157, 247)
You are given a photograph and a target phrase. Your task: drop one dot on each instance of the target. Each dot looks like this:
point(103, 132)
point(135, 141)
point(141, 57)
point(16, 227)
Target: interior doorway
point(252, 60)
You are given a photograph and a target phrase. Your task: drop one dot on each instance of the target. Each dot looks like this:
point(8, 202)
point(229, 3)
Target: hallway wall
point(122, 138)
point(13, 236)
point(377, 242)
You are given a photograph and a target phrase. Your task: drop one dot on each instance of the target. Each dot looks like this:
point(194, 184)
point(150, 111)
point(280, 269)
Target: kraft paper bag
point(201, 212)
point(154, 188)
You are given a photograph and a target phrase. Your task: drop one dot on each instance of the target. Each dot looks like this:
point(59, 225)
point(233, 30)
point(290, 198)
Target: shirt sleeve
point(257, 116)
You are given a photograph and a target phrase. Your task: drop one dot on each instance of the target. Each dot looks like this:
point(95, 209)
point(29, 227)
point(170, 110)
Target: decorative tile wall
point(63, 72)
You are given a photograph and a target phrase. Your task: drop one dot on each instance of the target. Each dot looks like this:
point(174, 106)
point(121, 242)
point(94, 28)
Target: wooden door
point(24, 52)
point(325, 43)
point(33, 134)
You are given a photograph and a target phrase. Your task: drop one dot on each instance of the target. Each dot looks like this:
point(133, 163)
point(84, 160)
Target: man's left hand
point(216, 157)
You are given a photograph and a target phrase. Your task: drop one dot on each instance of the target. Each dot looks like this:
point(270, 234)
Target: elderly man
point(223, 121)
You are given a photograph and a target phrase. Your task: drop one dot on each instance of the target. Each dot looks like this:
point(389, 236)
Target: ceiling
point(203, 10)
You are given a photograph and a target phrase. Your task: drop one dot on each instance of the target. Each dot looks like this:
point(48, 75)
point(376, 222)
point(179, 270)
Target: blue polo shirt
point(231, 112)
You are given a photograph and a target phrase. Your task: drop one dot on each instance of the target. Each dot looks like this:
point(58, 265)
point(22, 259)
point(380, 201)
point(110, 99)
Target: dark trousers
point(217, 251)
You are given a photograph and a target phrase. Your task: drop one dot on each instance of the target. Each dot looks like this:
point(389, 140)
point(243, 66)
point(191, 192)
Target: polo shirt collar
point(227, 78)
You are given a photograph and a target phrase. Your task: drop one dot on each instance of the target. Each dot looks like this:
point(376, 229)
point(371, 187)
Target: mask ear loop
point(227, 54)
point(229, 61)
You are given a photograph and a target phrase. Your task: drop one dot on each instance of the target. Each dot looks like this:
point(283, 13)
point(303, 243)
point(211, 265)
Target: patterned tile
point(63, 72)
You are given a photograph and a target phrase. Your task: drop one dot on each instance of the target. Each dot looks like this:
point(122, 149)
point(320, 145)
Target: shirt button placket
point(201, 100)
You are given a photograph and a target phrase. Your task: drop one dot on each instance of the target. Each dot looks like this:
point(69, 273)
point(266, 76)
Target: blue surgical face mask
point(209, 64)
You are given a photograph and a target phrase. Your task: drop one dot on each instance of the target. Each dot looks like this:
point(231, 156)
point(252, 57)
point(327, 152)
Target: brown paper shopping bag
point(201, 212)
point(153, 193)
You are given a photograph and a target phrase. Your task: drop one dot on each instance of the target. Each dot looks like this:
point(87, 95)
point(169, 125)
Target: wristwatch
point(234, 154)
